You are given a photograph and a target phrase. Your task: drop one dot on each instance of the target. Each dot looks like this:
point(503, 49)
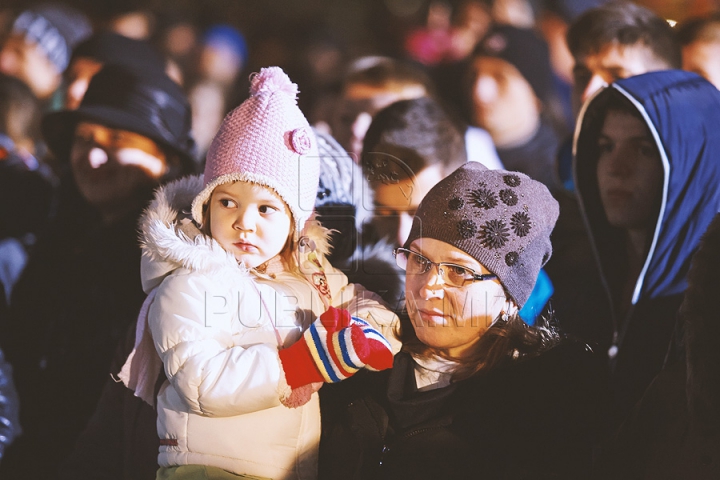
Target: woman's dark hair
point(505, 341)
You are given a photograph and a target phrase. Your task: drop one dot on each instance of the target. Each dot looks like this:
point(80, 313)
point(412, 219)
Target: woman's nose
point(432, 284)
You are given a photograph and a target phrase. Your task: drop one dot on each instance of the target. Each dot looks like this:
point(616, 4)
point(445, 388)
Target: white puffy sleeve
point(217, 342)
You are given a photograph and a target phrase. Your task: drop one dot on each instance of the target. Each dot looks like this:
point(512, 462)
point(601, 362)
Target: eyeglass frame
point(476, 277)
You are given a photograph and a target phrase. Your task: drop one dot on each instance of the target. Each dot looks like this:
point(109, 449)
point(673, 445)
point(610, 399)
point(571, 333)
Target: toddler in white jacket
point(247, 316)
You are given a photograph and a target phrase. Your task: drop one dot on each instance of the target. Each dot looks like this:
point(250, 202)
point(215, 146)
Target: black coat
point(71, 307)
point(534, 419)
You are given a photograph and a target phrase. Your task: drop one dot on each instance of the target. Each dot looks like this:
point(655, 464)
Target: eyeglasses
point(453, 275)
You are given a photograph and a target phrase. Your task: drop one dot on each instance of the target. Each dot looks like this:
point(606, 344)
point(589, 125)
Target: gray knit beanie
point(502, 219)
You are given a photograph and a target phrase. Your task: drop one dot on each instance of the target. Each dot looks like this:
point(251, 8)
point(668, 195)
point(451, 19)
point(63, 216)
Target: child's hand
point(333, 349)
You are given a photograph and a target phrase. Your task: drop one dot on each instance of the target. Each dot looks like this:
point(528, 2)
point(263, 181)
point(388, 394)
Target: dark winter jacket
point(674, 432)
point(531, 419)
point(73, 304)
point(536, 157)
point(120, 441)
point(682, 112)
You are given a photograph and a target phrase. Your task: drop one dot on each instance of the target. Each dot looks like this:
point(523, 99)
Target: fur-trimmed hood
point(170, 239)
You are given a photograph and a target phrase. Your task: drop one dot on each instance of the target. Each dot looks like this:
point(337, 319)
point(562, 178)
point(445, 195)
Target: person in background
point(700, 42)
point(508, 83)
point(81, 288)
point(410, 146)
point(40, 45)
point(674, 430)
point(647, 179)
point(27, 186)
point(610, 42)
point(475, 392)
point(107, 48)
point(222, 56)
point(373, 83)
point(616, 40)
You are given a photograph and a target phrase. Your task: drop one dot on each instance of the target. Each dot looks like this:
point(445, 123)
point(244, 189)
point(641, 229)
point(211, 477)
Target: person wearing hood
point(647, 177)
point(674, 430)
point(81, 287)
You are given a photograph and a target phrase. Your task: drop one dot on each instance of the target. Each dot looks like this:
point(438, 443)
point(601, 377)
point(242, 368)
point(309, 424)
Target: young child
point(233, 298)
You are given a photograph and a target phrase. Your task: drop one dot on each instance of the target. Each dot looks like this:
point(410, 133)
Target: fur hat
point(502, 219)
point(267, 141)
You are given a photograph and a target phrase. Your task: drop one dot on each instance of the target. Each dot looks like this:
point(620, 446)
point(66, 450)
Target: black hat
point(110, 48)
point(148, 103)
point(526, 51)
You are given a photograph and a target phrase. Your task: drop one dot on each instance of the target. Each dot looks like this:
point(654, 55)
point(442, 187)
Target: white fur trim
point(161, 241)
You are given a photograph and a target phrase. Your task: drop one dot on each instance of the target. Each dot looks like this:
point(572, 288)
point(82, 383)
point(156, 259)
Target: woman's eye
point(227, 203)
point(457, 270)
point(420, 261)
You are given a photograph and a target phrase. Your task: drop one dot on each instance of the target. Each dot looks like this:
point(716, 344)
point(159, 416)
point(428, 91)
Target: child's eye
point(227, 203)
point(267, 209)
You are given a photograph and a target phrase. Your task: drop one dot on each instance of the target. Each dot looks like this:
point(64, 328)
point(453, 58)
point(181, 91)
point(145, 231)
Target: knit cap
point(56, 28)
point(502, 219)
point(526, 51)
point(267, 141)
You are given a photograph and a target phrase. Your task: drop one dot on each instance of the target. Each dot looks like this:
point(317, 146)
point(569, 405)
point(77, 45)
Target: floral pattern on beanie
point(502, 219)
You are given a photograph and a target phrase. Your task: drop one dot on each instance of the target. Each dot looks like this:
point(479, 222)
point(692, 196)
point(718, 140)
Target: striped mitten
point(334, 347)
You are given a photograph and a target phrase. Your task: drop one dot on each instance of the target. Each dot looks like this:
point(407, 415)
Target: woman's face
point(450, 319)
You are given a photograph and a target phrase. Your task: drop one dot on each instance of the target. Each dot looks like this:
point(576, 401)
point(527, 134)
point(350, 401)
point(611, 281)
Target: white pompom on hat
point(266, 141)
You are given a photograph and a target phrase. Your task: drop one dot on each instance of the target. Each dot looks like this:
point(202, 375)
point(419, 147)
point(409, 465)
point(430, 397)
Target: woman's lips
point(432, 316)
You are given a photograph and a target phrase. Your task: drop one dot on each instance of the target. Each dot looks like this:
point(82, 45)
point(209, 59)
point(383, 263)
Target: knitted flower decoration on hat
point(502, 219)
point(266, 141)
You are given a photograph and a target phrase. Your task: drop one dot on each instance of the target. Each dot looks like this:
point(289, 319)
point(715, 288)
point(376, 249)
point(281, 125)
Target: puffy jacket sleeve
point(217, 343)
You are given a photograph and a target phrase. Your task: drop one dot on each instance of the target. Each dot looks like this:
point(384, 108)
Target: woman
point(475, 393)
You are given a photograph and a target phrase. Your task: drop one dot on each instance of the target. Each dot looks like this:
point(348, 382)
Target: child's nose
point(245, 220)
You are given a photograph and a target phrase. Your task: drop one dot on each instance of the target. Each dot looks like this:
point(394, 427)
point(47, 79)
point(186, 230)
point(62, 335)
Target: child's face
point(250, 221)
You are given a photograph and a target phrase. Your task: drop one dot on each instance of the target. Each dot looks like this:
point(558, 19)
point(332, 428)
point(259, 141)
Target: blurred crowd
point(99, 106)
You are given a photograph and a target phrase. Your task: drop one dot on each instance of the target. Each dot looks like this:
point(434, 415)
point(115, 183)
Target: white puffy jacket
point(217, 328)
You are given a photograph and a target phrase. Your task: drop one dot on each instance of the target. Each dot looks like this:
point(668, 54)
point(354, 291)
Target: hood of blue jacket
point(682, 112)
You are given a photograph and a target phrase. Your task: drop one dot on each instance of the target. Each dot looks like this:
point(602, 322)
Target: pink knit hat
point(267, 141)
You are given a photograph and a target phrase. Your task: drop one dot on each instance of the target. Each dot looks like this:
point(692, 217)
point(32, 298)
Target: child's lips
point(246, 247)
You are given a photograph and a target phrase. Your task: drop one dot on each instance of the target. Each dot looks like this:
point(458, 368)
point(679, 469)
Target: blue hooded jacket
point(682, 113)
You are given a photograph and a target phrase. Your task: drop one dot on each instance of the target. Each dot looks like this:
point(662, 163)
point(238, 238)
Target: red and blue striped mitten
point(334, 348)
